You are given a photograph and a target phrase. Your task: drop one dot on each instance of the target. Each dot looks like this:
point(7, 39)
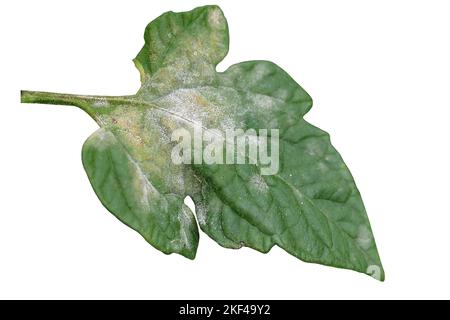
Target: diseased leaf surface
point(123, 187)
point(310, 207)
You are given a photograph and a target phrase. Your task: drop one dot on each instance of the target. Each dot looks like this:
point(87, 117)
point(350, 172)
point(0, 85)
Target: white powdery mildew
point(201, 212)
point(263, 102)
point(186, 221)
point(258, 182)
point(100, 102)
point(314, 149)
point(102, 139)
point(103, 135)
point(182, 74)
point(182, 103)
point(144, 186)
point(176, 181)
point(227, 124)
point(153, 116)
point(259, 72)
point(215, 17)
point(374, 271)
point(323, 167)
point(282, 94)
point(364, 237)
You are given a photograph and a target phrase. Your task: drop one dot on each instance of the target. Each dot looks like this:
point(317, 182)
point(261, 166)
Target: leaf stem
point(93, 105)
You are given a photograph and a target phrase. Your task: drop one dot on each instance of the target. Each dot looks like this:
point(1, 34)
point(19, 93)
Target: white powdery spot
point(259, 72)
point(374, 271)
point(201, 212)
point(227, 124)
point(364, 237)
point(258, 182)
point(186, 220)
point(183, 104)
point(175, 180)
point(100, 102)
point(262, 101)
point(103, 135)
point(215, 17)
point(102, 139)
point(282, 94)
point(154, 116)
point(314, 149)
point(143, 185)
point(322, 166)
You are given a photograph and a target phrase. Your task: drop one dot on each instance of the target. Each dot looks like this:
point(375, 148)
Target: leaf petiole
point(93, 105)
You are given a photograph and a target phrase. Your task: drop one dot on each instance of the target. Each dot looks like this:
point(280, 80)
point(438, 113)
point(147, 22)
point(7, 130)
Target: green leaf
point(124, 188)
point(309, 205)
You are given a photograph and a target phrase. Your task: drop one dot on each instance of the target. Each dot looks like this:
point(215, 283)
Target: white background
point(379, 74)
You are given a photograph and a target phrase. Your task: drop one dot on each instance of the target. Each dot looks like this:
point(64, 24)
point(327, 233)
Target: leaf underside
point(311, 207)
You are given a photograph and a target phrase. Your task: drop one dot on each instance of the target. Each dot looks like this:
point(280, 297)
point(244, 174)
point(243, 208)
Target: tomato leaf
point(308, 205)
